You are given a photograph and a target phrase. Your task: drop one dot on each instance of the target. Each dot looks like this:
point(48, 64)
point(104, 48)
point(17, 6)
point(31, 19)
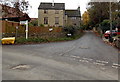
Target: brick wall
point(9, 30)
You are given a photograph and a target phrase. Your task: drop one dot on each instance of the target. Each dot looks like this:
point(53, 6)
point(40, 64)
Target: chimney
point(79, 10)
point(53, 3)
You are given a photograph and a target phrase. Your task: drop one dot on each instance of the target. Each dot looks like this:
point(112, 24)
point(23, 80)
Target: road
point(87, 58)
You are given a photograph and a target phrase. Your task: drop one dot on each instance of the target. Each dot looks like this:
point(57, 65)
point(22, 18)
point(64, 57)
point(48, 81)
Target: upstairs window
point(45, 20)
point(73, 18)
point(45, 11)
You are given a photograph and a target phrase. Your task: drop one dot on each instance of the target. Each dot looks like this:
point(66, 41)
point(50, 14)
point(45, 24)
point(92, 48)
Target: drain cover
point(21, 67)
point(83, 47)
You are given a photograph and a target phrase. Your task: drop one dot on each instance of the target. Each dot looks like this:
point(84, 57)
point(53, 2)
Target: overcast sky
point(69, 4)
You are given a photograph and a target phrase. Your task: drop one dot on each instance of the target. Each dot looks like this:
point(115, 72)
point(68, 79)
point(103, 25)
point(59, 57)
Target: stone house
point(73, 17)
point(54, 14)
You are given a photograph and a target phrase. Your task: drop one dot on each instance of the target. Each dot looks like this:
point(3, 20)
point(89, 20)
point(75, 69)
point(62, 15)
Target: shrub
point(71, 30)
point(34, 23)
point(42, 25)
point(24, 40)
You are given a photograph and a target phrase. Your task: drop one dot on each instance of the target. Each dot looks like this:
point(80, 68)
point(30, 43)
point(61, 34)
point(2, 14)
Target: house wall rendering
point(51, 17)
point(73, 21)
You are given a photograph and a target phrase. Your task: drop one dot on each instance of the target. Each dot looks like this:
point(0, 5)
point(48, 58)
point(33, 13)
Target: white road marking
point(74, 56)
point(84, 61)
point(115, 64)
point(115, 67)
point(98, 63)
point(101, 61)
point(88, 59)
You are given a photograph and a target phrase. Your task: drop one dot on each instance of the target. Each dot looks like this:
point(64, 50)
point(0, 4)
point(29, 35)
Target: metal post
point(26, 29)
point(16, 31)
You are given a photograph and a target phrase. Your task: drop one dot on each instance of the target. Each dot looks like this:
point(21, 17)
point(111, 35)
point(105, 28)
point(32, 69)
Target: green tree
point(99, 11)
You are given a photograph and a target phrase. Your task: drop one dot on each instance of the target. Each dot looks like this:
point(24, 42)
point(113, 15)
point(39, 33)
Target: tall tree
point(99, 11)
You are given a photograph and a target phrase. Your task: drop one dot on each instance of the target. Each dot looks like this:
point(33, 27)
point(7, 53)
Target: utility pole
point(110, 38)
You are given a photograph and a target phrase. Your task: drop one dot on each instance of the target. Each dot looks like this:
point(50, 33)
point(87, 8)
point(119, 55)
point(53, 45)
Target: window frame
point(56, 20)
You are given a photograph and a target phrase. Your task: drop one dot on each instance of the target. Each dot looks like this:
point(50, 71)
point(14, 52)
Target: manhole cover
point(84, 47)
point(21, 67)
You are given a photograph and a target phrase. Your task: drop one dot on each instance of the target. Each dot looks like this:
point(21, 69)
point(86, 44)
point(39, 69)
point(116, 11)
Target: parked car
point(107, 33)
point(118, 32)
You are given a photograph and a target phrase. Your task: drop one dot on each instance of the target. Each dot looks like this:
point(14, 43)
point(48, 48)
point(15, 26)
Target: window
point(56, 20)
point(46, 11)
point(56, 11)
point(73, 18)
point(45, 20)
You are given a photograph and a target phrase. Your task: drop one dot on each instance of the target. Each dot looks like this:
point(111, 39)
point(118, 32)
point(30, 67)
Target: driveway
point(87, 58)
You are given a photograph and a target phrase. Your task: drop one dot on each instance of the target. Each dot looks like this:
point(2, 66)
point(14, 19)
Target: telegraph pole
point(110, 38)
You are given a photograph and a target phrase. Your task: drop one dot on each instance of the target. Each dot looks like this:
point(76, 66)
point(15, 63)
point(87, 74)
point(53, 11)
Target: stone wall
point(71, 21)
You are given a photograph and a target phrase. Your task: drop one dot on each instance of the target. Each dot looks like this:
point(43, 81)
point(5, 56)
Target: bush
point(34, 23)
point(71, 30)
point(42, 25)
point(24, 40)
point(105, 25)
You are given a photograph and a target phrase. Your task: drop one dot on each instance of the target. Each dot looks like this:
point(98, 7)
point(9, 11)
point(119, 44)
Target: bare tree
point(19, 5)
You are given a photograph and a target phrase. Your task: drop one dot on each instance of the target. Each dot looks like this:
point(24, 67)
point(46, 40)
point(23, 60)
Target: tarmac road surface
point(87, 58)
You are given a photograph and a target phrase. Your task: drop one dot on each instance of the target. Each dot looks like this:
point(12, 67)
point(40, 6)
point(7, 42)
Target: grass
point(41, 40)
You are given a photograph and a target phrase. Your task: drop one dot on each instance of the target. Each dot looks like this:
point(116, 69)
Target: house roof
point(72, 13)
point(56, 6)
point(10, 12)
point(13, 14)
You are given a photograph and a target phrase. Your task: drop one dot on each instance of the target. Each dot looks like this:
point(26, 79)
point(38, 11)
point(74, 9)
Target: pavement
point(87, 58)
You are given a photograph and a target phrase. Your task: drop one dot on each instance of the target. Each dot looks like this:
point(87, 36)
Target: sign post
point(16, 31)
point(26, 30)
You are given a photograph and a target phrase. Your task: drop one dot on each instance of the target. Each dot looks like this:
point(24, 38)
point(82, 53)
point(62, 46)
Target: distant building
point(73, 17)
point(54, 14)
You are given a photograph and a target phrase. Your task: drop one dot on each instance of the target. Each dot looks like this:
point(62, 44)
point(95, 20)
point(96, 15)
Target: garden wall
point(9, 30)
